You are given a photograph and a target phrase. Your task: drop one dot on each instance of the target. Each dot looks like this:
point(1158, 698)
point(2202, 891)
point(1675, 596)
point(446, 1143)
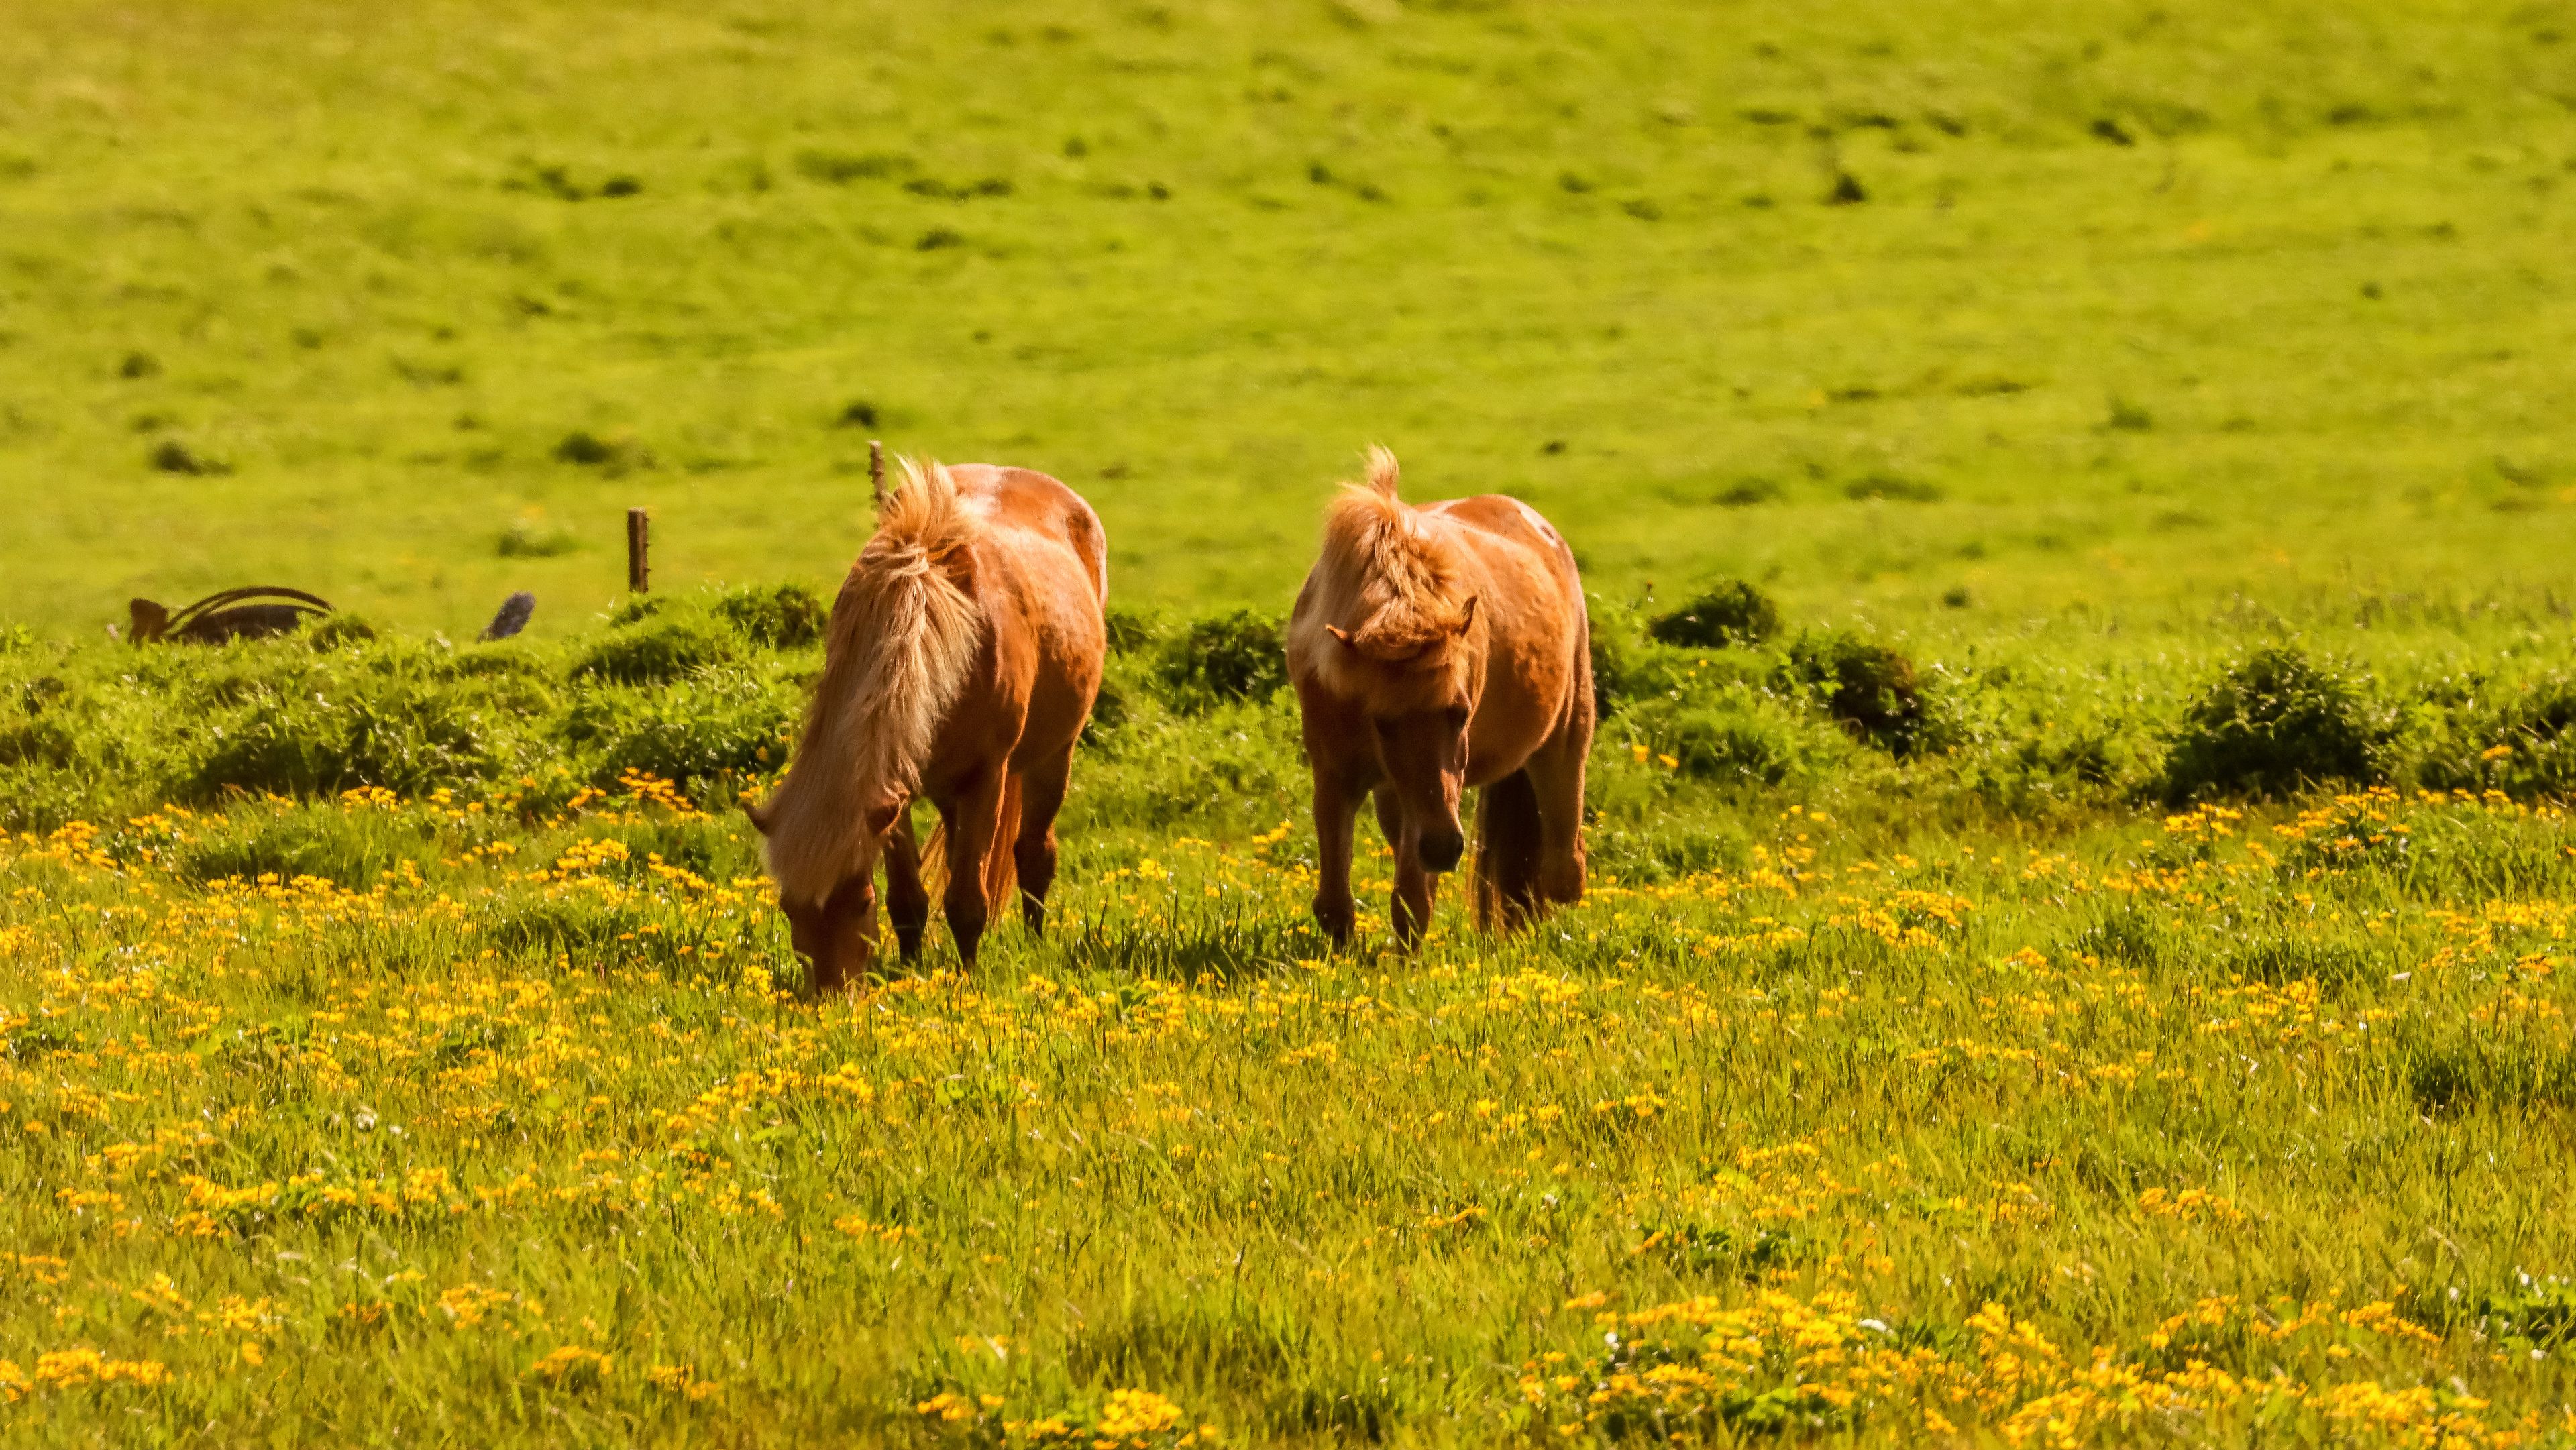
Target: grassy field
point(2142, 308)
point(2094, 969)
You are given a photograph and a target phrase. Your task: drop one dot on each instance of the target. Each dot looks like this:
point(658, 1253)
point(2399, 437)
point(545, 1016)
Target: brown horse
point(965, 652)
point(1433, 649)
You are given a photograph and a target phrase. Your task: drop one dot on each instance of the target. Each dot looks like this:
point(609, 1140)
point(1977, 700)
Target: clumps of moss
point(534, 539)
point(616, 455)
point(1730, 613)
point(778, 616)
point(1238, 655)
point(2273, 723)
point(1866, 687)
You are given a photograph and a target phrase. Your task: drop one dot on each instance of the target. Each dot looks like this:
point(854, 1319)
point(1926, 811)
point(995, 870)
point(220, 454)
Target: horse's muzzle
point(1441, 850)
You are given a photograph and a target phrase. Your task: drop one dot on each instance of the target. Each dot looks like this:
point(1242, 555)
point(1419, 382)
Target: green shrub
point(1867, 688)
point(45, 742)
point(1124, 682)
point(1726, 746)
point(1731, 613)
point(778, 616)
point(658, 650)
point(2523, 745)
point(1237, 655)
point(2272, 723)
point(393, 733)
point(1130, 630)
point(339, 632)
point(717, 727)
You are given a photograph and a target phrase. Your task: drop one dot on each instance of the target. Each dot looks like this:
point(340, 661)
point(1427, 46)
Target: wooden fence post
point(876, 472)
point(639, 529)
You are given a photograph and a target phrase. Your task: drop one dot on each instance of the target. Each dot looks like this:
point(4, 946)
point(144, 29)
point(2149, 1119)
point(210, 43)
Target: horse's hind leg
point(1041, 796)
point(973, 820)
point(907, 901)
point(1556, 774)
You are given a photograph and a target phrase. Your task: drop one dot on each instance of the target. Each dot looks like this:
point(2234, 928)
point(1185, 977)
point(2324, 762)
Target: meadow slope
point(2140, 308)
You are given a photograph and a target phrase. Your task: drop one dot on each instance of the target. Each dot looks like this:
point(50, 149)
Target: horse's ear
point(1467, 614)
point(1339, 633)
point(759, 817)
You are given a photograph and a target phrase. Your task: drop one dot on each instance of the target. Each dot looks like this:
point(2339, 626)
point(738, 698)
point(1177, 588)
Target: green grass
point(435, 1039)
point(2095, 972)
point(362, 1165)
point(2296, 345)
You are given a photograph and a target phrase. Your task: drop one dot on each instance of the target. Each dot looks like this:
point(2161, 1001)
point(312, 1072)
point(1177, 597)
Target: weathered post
point(876, 472)
point(639, 529)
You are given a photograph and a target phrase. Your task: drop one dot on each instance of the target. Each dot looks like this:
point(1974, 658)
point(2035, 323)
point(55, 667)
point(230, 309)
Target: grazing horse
point(1433, 649)
point(964, 655)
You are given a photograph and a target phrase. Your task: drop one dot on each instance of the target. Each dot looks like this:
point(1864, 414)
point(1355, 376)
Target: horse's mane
point(903, 636)
point(1405, 581)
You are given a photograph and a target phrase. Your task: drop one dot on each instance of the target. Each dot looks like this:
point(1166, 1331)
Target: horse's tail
point(1507, 850)
point(1383, 474)
point(905, 633)
point(1001, 867)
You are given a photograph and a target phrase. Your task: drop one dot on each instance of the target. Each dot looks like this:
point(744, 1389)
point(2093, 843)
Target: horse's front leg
point(1337, 811)
point(907, 900)
point(1415, 886)
point(973, 819)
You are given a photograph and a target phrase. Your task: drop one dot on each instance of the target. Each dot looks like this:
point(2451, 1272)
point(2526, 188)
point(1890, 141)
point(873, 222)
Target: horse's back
point(1493, 523)
point(1042, 511)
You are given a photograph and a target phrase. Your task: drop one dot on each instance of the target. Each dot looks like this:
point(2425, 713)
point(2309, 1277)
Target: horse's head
point(1419, 678)
point(837, 934)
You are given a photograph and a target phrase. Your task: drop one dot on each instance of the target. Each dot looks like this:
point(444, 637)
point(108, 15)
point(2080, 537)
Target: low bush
point(1865, 687)
point(2273, 723)
point(1238, 655)
point(776, 616)
point(1130, 630)
point(1731, 613)
point(1724, 741)
point(339, 632)
point(2520, 740)
point(658, 649)
point(394, 732)
point(724, 725)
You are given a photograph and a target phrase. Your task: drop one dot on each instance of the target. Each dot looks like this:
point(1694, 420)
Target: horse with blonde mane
point(965, 652)
point(1434, 649)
